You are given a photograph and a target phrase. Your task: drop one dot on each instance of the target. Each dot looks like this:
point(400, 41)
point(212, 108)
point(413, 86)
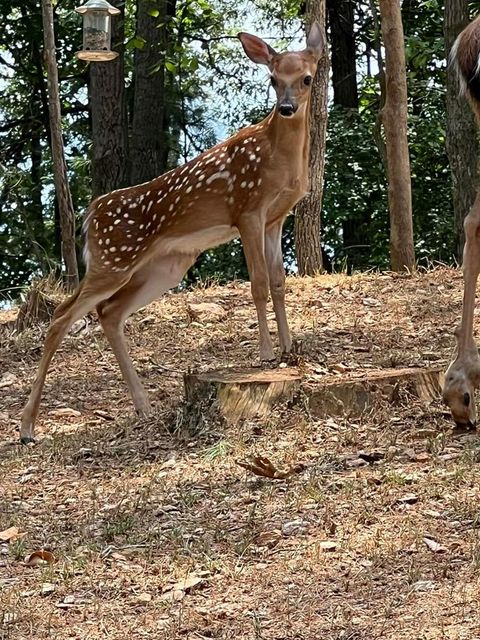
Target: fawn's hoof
point(27, 440)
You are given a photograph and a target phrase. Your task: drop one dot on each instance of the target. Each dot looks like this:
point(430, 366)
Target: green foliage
point(213, 90)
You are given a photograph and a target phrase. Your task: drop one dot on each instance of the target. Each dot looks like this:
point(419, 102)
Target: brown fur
point(465, 55)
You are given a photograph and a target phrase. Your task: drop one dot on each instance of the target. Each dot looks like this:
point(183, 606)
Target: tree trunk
point(147, 142)
point(308, 249)
point(108, 112)
point(343, 54)
point(394, 120)
point(67, 215)
point(461, 138)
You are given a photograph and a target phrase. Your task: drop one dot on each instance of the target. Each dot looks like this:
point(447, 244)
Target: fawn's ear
point(256, 49)
point(316, 40)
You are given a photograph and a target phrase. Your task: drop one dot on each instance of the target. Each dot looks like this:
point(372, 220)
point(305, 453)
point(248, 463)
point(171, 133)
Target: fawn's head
point(292, 72)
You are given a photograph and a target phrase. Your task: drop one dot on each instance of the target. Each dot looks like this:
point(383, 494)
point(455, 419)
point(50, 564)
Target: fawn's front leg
point(252, 233)
point(276, 273)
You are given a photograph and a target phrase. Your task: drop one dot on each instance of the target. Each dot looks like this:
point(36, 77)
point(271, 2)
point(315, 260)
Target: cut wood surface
point(246, 393)
point(243, 393)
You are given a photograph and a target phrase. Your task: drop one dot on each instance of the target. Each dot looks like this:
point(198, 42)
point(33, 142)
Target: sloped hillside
point(157, 531)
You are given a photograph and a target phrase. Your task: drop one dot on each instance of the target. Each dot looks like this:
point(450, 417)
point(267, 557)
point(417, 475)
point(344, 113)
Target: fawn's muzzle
point(287, 109)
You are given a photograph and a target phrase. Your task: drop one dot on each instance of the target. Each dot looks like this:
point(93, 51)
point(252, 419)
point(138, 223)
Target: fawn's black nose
point(287, 109)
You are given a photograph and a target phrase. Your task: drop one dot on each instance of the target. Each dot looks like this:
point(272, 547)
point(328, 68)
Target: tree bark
point(62, 189)
point(147, 142)
point(308, 249)
point(108, 113)
point(343, 54)
point(461, 136)
point(394, 120)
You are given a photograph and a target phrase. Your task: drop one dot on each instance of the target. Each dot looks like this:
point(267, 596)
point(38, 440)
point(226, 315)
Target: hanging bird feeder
point(97, 30)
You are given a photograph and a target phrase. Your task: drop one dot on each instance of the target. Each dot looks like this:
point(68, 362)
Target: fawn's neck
point(291, 136)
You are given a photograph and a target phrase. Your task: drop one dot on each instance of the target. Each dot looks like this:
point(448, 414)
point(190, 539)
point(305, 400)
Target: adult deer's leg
point(463, 375)
point(89, 293)
point(252, 233)
point(276, 273)
point(148, 283)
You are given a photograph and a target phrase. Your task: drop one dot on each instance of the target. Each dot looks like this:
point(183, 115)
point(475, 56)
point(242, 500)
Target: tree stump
point(351, 396)
point(243, 393)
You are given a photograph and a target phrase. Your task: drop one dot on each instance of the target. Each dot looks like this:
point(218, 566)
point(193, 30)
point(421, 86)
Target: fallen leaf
point(9, 534)
point(39, 557)
point(268, 538)
point(434, 546)
point(177, 591)
point(188, 583)
point(262, 466)
point(64, 412)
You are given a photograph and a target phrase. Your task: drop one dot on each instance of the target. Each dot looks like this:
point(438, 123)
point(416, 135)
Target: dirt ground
point(156, 530)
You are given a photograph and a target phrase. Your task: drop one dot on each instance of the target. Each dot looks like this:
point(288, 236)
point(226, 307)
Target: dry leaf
point(268, 538)
point(177, 591)
point(64, 412)
point(9, 534)
point(188, 583)
point(262, 466)
point(434, 546)
point(39, 557)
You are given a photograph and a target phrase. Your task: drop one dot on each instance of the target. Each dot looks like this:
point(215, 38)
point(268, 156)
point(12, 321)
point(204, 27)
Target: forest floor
point(159, 533)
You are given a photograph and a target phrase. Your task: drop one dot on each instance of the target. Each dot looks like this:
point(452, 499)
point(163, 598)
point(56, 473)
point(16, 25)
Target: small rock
point(328, 545)
point(144, 597)
point(205, 311)
point(355, 463)
point(47, 588)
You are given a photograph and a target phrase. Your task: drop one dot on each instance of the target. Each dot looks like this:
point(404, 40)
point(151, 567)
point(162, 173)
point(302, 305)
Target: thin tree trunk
point(65, 203)
point(461, 137)
point(108, 112)
point(343, 53)
point(308, 250)
point(394, 120)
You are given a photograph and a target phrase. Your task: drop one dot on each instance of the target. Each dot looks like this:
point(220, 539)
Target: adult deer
point(140, 241)
point(463, 374)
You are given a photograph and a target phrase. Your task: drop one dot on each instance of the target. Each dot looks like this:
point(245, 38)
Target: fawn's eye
point(273, 81)
point(466, 399)
point(307, 80)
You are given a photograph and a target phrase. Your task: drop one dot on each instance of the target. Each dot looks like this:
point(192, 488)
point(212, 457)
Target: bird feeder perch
point(97, 30)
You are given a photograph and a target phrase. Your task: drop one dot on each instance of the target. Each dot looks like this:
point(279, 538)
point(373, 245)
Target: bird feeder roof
point(98, 5)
